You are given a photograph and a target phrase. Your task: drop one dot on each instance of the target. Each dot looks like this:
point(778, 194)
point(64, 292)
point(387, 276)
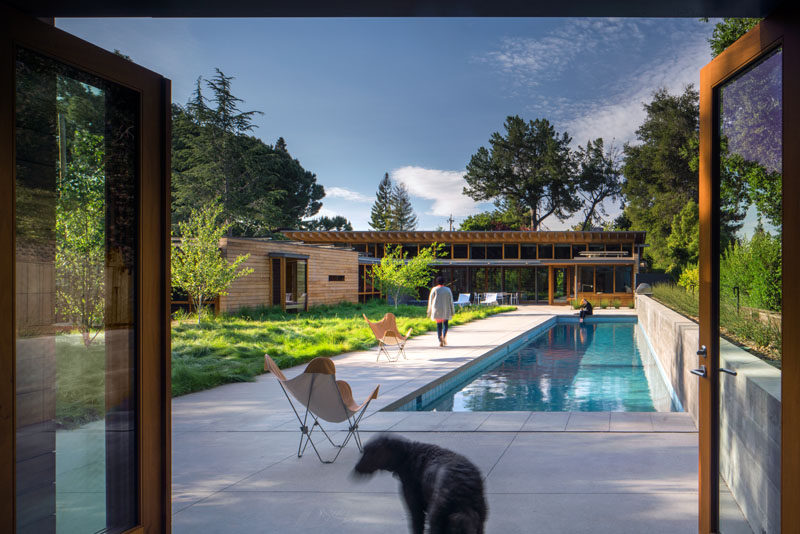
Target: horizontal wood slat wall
point(256, 289)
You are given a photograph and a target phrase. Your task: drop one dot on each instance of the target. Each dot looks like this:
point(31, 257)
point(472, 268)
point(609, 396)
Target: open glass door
point(748, 370)
point(84, 222)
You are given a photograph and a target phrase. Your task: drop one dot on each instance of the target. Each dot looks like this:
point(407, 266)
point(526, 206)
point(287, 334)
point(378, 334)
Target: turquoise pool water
point(568, 367)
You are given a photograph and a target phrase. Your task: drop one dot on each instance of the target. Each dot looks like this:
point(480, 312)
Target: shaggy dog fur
point(437, 483)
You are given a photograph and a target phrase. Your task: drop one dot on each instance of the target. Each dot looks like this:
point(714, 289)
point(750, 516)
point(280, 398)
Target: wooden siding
point(256, 289)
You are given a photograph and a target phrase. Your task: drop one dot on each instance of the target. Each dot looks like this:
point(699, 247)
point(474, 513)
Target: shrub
point(576, 304)
point(690, 279)
point(617, 303)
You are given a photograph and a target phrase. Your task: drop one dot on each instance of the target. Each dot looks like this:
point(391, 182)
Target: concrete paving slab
point(672, 422)
point(631, 422)
point(589, 422)
point(464, 421)
point(421, 422)
point(546, 422)
point(504, 421)
point(566, 462)
point(546, 513)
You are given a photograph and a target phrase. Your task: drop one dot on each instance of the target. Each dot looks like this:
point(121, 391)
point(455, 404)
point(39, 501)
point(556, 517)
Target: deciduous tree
point(198, 266)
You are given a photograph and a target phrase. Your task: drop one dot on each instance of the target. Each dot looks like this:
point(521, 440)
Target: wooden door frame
point(153, 280)
point(780, 29)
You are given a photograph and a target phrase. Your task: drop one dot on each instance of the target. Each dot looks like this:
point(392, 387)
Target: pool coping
point(436, 387)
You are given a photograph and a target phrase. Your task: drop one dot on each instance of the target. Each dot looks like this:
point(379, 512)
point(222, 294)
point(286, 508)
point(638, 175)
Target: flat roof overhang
point(397, 8)
point(458, 237)
point(365, 260)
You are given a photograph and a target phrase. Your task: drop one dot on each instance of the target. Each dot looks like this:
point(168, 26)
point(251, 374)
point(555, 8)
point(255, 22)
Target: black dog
point(437, 482)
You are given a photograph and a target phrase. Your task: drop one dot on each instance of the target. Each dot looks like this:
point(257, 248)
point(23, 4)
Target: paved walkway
point(235, 467)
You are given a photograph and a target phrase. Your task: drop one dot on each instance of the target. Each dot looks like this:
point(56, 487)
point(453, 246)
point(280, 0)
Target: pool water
point(569, 367)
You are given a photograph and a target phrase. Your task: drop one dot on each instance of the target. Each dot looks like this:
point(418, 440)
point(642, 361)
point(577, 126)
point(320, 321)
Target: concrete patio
point(235, 467)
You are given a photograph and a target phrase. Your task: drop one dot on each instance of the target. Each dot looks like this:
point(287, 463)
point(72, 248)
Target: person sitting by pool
point(586, 308)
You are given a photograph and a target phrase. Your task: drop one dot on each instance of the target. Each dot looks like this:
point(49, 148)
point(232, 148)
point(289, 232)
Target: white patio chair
point(324, 398)
point(490, 300)
point(463, 299)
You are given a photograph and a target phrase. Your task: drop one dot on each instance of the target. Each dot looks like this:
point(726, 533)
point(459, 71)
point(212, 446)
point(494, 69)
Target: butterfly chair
point(324, 398)
point(388, 335)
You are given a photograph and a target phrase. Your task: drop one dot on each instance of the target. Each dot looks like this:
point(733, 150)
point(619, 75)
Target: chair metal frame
point(352, 416)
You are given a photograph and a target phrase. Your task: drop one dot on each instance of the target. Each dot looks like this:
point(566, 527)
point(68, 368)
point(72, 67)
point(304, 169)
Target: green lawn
point(740, 327)
point(231, 348)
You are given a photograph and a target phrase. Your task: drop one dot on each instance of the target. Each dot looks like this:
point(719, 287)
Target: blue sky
point(355, 98)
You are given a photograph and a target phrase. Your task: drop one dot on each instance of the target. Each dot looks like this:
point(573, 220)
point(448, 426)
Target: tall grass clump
point(231, 347)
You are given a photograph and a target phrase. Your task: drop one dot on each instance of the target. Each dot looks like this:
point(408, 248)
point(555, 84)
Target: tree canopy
point(659, 178)
point(728, 31)
point(530, 165)
point(326, 224)
point(261, 188)
point(599, 180)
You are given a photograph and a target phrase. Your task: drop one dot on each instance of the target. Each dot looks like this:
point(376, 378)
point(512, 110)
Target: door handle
point(729, 371)
point(701, 372)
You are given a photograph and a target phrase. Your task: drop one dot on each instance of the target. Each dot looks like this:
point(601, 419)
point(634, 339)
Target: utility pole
point(451, 221)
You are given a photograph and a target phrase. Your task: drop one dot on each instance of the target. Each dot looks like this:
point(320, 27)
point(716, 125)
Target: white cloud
point(529, 61)
point(347, 194)
point(619, 115)
point(444, 188)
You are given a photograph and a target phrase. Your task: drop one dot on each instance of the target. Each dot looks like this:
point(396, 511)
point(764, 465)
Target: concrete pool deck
point(235, 467)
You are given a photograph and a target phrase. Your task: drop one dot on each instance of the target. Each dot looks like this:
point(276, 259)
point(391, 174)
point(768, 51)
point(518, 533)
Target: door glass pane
point(750, 300)
point(586, 279)
point(76, 253)
point(527, 284)
point(604, 280)
point(542, 285)
point(560, 278)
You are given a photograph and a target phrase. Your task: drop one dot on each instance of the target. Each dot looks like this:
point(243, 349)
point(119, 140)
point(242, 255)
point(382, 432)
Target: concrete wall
point(256, 289)
point(750, 407)
point(674, 339)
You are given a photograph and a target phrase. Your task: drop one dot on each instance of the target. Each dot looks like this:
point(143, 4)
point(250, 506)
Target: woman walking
point(441, 308)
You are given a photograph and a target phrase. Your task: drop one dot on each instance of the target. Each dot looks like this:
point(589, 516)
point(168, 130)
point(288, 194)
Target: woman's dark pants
point(441, 329)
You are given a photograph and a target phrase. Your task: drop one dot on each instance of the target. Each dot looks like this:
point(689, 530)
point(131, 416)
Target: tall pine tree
point(402, 211)
point(381, 216)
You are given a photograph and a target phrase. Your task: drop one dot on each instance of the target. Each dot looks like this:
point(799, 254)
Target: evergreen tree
point(262, 188)
point(728, 31)
point(381, 216)
point(403, 217)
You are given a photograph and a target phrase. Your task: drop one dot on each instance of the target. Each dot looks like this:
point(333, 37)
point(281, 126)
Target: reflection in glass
point(750, 299)
point(76, 205)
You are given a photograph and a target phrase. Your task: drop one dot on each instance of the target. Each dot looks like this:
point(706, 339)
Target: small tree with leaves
point(397, 276)
point(198, 266)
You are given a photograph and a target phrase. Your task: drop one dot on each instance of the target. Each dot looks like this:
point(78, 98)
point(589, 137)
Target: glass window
point(545, 252)
point(511, 280)
point(460, 252)
point(586, 279)
point(596, 247)
point(623, 276)
point(613, 246)
point(410, 251)
point(562, 252)
point(360, 247)
point(445, 251)
point(493, 279)
point(577, 249)
point(627, 248)
point(511, 251)
point(494, 252)
point(477, 252)
point(528, 252)
point(77, 249)
point(379, 250)
point(604, 280)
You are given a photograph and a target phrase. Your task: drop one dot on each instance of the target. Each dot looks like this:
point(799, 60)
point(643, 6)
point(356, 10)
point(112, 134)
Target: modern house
point(538, 267)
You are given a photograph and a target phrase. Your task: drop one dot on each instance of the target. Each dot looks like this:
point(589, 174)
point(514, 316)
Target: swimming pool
point(567, 366)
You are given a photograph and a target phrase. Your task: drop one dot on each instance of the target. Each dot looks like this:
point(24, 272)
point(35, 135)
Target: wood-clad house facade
point(291, 275)
point(538, 267)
